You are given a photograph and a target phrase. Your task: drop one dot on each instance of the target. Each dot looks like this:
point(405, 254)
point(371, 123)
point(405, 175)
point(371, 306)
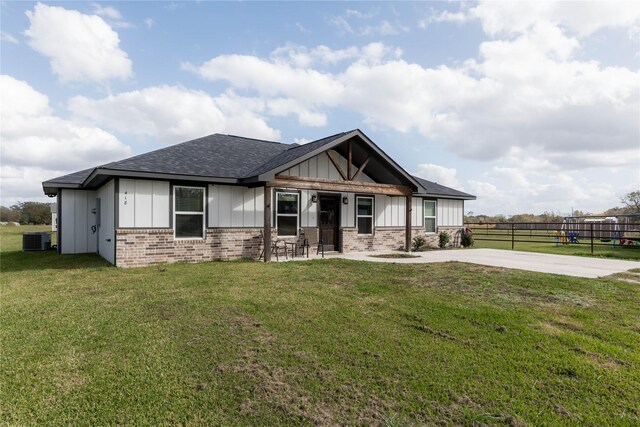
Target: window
point(188, 208)
point(287, 213)
point(364, 215)
point(430, 216)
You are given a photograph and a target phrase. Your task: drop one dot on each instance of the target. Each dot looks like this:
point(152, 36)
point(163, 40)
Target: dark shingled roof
point(225, 156)
point(211, 156)
point(73, 178)
point(435, 189)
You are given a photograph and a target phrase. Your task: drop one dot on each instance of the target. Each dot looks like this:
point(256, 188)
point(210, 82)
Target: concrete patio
point(543, 263)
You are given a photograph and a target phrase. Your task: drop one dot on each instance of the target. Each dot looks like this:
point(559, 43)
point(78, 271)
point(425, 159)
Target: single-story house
point(226, 197)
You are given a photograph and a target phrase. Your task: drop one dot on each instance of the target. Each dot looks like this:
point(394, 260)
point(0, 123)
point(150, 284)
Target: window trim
point(434, 217)
point(176, 213)
point(297, 215)
point(373, 210)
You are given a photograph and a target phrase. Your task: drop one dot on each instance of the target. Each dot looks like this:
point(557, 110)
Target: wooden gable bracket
point(347, 176)
point(337, 166)
point(361, 168)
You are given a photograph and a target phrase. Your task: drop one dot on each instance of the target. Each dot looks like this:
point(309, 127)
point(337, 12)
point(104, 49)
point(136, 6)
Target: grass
point(321, 342)
point(544, 242)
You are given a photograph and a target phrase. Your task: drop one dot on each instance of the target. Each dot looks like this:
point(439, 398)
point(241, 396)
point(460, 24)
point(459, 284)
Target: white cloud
point(301, 141)
point(80, 47)
point(302, 28)
point(306, 117)
point(439, 174)
point(341, 24)
point(172, 114)
point(527, 92)
point(7, 37)
point(107, 12)
point(583, 18)
point(149, 22)
point(384, 28)
point(36, 145)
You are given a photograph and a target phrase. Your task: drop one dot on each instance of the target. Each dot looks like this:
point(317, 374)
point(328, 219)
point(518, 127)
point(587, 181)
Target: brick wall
point(392, 238)
point(140, 247)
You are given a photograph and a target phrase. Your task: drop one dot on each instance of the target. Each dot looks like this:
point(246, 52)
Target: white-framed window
point(287, 209)
point(430, 216)
point(188, 212)
point(364, 214)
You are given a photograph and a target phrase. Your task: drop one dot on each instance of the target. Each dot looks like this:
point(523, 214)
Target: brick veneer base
point(141, 247)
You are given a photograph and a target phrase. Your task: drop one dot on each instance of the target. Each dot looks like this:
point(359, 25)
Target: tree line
point(630, 205)
point(26, 213)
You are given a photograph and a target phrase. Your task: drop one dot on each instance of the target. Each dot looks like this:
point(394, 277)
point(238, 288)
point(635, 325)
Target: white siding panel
point(348, 211)
point(127, 202)
point(313, 166)
point(380, 204)
point(394, 212)
point(417, 217)
point(450, 213)
point(144, 206)
point(143, 203)
point(323, 166)
point(161, 204)
point(237, 206)
point(76, 221)
point(81, 229)
point(305, 205)
point(106, 232)
point(248, 209)
point(224, 206)
point(402, 212)
point(67, 221)
point(259, 212)
point(213, 204)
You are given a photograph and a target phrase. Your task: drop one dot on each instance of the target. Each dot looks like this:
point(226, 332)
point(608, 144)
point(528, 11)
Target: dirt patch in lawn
point(394, 256)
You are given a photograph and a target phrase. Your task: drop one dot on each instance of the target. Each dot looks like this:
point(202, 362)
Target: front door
point(329, 221)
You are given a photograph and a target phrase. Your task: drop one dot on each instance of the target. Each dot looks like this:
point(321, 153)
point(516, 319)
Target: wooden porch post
point(408, 209)
point(266, 238)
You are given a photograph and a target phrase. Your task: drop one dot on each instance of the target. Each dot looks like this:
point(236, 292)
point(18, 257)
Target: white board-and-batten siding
point(76, 221)
point(143, 203)
point(234, 206)
point(106, 230)
point(321, 167)
point(450, 213)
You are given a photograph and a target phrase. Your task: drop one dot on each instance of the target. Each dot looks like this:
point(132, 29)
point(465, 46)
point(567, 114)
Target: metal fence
point(591, 234)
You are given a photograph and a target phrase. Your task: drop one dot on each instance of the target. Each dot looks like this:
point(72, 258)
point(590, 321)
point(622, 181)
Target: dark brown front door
point(329, 221)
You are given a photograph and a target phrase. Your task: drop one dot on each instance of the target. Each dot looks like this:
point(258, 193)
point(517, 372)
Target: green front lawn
point(324, 342)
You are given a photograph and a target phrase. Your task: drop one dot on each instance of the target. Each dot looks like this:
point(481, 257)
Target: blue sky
point(533, 107)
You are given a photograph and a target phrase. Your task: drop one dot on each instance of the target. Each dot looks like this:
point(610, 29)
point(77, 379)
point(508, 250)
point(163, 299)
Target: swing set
point(618, 229)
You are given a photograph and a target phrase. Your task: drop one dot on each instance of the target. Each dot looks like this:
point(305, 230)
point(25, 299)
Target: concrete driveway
point(577, 266)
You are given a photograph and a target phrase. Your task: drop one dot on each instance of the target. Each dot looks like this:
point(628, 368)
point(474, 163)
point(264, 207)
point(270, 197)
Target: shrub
point(443, 239)
point(466, 240)
point(419, 242)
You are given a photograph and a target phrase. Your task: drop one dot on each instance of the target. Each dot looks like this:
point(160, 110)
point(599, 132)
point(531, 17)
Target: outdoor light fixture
point(345, 200)
point(314, 198)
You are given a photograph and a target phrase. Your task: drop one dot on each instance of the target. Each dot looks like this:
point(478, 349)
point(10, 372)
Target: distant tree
point(34, 212)
point(9, 214)
point(632, 201)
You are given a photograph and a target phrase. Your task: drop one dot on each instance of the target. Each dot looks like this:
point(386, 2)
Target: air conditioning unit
point(40, 241)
